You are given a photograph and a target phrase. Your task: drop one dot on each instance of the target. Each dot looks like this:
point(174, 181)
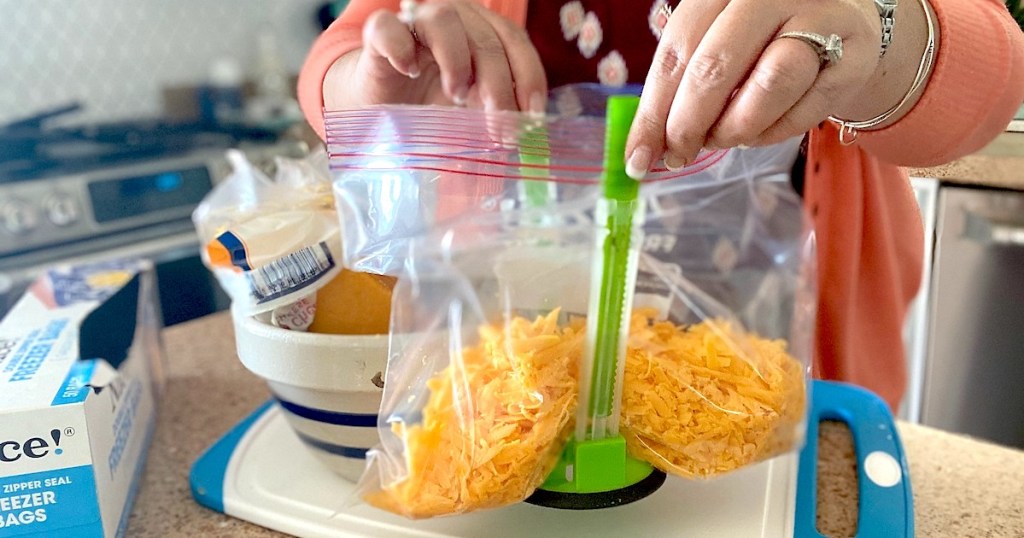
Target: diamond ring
point(829, 49)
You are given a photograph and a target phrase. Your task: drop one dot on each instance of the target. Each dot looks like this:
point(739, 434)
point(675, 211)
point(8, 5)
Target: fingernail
point(538, 103)
point(673, 164)
point(639, 162)
point(461, 96)
point(414, 71)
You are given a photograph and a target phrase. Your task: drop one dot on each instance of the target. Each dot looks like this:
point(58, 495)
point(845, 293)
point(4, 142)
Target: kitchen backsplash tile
point(116, 56)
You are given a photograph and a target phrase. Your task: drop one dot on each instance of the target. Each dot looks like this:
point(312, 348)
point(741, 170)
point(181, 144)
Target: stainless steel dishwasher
point(974, 375)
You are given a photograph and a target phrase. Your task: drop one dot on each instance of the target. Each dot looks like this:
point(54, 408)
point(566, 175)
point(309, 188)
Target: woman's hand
point(454, 52)
point(720, 78)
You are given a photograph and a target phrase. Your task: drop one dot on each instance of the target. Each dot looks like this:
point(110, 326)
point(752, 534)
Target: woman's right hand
point(455, 52)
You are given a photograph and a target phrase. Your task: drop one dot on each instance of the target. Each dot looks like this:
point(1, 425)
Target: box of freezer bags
point(80, 376)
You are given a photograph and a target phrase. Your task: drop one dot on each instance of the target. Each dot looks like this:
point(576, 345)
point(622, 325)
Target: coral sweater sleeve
point(976, 85)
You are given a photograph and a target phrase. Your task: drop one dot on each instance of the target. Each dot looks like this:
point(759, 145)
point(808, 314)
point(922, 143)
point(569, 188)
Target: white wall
point(115, 56)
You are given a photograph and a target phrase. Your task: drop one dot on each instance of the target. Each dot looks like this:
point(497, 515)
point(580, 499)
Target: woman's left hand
point(721, 78)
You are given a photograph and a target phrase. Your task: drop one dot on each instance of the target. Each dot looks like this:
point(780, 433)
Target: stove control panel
point(50, 212)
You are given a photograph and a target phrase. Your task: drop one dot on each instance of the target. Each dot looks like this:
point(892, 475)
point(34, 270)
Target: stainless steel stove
point(128, 189)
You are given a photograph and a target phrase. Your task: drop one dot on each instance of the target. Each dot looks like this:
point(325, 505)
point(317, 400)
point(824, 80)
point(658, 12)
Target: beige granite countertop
point(999, 165)
point(962, 487)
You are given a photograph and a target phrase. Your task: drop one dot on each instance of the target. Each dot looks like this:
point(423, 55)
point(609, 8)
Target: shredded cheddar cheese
point(495, 422)
point(705, 399)
point(698, 401)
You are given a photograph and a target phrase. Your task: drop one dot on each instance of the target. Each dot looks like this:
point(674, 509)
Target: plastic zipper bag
point(402, 171)
point(489, 222)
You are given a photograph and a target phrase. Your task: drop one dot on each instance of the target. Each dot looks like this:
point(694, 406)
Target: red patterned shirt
point(606, 41)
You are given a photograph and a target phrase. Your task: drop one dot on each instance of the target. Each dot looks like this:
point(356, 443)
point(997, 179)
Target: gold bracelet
point(849, 129)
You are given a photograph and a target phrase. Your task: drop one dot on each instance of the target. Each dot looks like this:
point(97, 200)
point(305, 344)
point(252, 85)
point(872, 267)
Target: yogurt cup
point(329, 386)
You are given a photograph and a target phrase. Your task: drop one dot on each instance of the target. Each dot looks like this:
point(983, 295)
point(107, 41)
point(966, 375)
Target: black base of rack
point(604, 499)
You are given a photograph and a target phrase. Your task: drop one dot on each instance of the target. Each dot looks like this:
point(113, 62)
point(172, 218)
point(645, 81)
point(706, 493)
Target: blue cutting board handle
point(885, 505)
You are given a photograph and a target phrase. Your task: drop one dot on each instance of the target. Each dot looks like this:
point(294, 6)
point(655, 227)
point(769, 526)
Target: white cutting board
point(270, 479)
point(260, 472)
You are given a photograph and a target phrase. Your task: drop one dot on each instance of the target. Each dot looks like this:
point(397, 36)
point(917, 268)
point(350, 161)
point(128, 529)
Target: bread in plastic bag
point(272, 243)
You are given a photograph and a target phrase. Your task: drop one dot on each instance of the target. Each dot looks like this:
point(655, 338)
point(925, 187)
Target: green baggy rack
point(594, 470)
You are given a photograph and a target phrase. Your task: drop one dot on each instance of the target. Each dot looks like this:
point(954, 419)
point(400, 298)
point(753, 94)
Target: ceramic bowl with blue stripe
point(328, 385)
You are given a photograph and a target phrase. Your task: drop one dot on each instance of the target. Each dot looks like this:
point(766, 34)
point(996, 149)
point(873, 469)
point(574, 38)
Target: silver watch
point(887, 13)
